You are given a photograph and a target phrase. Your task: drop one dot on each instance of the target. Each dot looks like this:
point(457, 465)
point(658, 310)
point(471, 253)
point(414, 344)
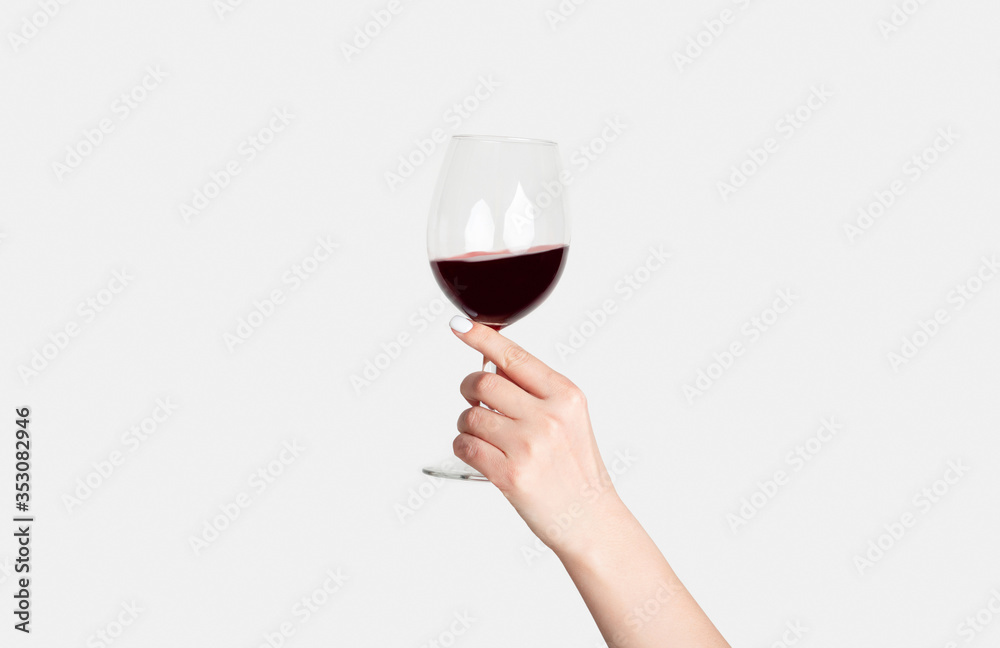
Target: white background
point(461, 549)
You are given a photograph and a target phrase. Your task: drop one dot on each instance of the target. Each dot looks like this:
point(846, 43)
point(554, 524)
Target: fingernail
point(460, 324)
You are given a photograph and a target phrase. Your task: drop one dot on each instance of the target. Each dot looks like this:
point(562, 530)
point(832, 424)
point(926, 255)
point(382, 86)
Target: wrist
point(600, 522)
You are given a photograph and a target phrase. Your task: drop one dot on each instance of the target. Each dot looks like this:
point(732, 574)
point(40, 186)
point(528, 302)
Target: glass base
point(455, 469)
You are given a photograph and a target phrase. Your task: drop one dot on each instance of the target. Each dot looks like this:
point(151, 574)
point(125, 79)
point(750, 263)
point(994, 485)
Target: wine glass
point(497, 235)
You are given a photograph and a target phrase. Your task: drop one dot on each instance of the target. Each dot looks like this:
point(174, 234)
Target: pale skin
point(539, 449)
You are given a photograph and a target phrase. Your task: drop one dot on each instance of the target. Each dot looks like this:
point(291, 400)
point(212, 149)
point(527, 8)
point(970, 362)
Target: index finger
point(527, 371)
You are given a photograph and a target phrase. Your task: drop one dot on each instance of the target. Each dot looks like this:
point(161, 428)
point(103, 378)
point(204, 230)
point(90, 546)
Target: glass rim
point(499, 139)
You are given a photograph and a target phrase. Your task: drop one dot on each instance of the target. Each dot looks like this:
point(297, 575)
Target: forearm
point(632, 592)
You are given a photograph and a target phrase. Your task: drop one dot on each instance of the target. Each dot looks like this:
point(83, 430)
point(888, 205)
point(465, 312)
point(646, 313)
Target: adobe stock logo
point(562, 12)
point(796, 459)
point(927, 329)
point(246, 152)
point(295, 276)
point(972, 625)
point(752, 330)
point(590, 492)
point(114, 629)
point(581, 158)
point(896, 529)
point(229, 511)
point(132, 439)
point(786, 126)
point(900, 15)
point(376, 365)
point(448, 637)
point(627, 286)
point(713, 29)
point(365, 34)
point(303, 610)
point(87, 309)
point(913, 169)
point(32, 25)
point(119, 110)
point(793, 633)
point(418, 496)
point(425, 147)
point(225, 7)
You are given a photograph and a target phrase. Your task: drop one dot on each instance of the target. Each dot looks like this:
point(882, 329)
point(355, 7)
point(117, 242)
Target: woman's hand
point(539, 450)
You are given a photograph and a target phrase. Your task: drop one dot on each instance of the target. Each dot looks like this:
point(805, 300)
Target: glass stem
point(488, 367)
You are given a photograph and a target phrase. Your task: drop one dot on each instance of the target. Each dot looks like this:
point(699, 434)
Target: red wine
point(499, 288)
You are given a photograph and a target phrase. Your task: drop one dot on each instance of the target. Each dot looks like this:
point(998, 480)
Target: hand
point(539, 450)
point(539, 447)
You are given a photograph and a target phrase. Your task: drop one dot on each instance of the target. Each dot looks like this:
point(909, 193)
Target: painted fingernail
point(460, 324)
